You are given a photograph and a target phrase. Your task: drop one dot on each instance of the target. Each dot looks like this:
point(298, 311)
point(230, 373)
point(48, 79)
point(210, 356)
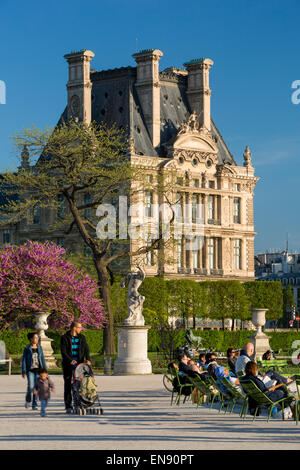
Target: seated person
point(245, 356)
point(202, 362)
point(267, 356)
point(212, 364)
point(269, 378)
point(251, 373)
point(223, 373)
point(172, 365)
point(188, 367)
point(231, 359)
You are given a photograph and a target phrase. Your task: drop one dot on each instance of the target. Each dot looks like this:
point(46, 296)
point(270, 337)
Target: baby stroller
point(84, 391)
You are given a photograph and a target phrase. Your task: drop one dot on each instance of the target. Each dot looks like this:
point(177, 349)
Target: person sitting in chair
point(251, 373)
point(267, 356)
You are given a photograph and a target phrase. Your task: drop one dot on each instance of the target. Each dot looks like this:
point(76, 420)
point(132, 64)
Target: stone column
point(132, 351)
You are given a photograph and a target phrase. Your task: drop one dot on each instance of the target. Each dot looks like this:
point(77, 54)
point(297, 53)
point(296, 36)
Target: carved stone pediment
point(193, 140)
point(224, 170)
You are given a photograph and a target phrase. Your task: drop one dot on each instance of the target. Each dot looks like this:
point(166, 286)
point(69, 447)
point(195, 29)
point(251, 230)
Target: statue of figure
point(193, 121)
point(134, 299)
point(247, 157)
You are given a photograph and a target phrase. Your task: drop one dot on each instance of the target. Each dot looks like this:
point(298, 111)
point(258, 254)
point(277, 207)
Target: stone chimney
point(148, 90)
point(79, 85)
point(198, 91)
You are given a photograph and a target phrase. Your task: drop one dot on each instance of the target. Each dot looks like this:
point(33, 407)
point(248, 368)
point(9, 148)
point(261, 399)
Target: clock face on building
point(75, 105)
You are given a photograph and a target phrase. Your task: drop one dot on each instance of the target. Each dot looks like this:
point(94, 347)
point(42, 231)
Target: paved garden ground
point(137, 415)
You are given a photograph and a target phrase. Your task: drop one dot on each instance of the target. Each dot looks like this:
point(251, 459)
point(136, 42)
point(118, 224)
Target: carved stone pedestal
point(259, 339)
point(45, 342)
point(132, 351)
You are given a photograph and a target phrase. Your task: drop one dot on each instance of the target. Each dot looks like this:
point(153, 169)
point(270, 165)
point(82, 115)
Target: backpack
point(88, 389)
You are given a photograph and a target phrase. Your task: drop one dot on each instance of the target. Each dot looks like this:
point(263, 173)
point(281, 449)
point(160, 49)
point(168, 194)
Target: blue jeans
point(31, 380)
point(44, 404)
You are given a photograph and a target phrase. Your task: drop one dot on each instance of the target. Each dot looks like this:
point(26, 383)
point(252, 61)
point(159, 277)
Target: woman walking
point(32, 360)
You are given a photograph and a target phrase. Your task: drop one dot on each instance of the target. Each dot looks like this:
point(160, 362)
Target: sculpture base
point(132, 351)
point(261, 344)
point(45, 342)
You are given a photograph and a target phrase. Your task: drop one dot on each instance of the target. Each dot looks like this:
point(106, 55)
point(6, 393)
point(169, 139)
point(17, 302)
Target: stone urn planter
point(45, 342)
point(259, 339)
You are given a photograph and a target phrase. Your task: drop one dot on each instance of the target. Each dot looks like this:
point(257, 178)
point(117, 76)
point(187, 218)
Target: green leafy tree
point(266, 294)
point(63, 164)
point(288, 303)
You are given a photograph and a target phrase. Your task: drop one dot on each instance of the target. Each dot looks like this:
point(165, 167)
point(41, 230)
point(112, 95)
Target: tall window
point(210, 208)
point(148, 203)
point(194, 208)
point(237, 254)
point(149, 256)
point(6, 236)
point(36, 214)
point(60, 209)
point(88, 210)
point(211, 253)
point(179, 253)
point(195, 253)
point(237, 210)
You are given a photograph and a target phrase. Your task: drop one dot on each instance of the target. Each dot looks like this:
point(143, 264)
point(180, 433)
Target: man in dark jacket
point(74, 351)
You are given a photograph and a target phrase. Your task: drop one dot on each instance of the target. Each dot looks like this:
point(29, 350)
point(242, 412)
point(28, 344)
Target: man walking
point(74, 351)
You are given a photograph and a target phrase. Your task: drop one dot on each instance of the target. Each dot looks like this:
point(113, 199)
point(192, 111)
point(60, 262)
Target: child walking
point(43, 388)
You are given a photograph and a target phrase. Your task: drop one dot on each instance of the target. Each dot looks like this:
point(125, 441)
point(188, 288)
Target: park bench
point(9, 361)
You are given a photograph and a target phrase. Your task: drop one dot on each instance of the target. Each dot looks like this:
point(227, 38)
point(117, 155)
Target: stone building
point(168, 117)
point(283, 266)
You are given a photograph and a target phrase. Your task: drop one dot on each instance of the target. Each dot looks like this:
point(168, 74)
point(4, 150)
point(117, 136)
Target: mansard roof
point(115, 101)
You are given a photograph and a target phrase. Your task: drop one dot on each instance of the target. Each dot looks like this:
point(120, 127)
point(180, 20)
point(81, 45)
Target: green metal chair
point(297, 405)
point(276, 364)
point(261, 399)
point(236, 395)
point(224, 396)
point(168, 381)
point(180, 381)
point(205, 390)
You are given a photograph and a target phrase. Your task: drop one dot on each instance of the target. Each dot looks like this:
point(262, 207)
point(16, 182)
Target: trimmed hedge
point(221, 340)
point(16, 340)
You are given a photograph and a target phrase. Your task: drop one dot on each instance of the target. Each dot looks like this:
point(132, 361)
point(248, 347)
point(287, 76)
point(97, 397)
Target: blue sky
point(254, 46)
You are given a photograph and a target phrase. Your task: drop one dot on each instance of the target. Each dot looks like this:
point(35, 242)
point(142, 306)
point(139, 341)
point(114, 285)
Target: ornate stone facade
point(170, 129)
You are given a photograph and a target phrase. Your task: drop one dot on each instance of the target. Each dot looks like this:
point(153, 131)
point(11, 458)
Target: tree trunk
point(104, 289)
point(232, 325)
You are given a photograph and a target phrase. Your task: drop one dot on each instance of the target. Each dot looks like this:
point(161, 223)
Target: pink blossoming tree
point(36, 278)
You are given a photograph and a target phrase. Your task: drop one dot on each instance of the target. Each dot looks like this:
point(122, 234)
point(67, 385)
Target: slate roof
point(115, 100)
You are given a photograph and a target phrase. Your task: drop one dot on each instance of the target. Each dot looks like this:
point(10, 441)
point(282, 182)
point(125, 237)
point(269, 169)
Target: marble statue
point(134, 299)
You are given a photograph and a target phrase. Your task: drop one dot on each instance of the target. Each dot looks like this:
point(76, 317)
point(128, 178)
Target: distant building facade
point(280, 266)
point(168, 117)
